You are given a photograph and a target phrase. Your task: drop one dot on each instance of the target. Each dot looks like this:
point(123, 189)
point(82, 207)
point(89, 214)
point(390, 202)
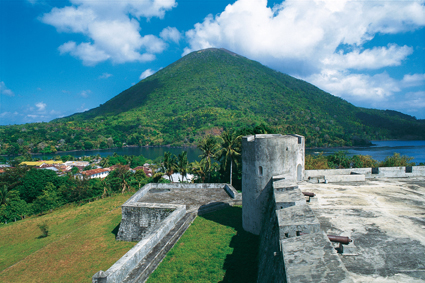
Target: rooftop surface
point(193, 198)
point(386, 220)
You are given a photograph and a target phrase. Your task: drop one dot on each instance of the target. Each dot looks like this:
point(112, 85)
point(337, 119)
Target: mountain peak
point(213, 89)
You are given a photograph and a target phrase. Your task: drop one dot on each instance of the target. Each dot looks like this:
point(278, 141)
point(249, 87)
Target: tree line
point(26, 191)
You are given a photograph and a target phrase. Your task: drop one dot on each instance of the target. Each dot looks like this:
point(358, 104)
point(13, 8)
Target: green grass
point(215, 248)
point(81, 242)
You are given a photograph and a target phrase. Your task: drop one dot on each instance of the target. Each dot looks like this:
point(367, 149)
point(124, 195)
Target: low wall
point(148, 223)
point(141, 219)
point(293, 248)
point(354, 174)
point(117, 272)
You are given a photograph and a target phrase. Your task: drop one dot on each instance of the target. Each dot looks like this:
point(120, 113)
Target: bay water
point(379, 150)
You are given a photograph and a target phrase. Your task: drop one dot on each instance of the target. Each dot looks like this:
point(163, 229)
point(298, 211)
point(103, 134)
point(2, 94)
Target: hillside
point(210, 90)
point(81, 242)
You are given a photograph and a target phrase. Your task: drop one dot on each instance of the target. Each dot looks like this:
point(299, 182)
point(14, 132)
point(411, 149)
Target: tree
point(209, 147)
point(182, 164)
point(229, 151)
point(75, 170)
point(35, 182)
point(120, 179)
point(141, 178)
point(169, 164)
point(4, 195)
point(49, 199)
point(15, 208)
point(199, 169)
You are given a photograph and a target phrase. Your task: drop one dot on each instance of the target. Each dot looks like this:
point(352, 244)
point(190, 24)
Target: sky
point(61, 57)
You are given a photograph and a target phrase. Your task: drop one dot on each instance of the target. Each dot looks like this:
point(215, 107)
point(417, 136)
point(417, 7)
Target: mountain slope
point(214, 89)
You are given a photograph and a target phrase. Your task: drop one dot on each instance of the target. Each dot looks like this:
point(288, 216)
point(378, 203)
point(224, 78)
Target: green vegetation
point(215, 248)
point(44, 228)
point(205, 93)
point(26, 191)
point(340, 160)
point(80, 242)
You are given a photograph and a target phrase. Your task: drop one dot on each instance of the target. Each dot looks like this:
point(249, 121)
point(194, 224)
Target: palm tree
point(229, 150)
point(182, 164)
point(209, 147)
point(169, 164)
point(198, 168)
point(3, 195)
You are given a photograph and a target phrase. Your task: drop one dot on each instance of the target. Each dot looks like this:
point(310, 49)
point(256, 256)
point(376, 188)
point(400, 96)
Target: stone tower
point(265, 156)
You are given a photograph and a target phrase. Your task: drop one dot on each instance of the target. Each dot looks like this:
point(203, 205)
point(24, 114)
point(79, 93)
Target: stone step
point(142, 271)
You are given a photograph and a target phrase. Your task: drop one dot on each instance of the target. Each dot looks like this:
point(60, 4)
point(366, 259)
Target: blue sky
point(62, 57)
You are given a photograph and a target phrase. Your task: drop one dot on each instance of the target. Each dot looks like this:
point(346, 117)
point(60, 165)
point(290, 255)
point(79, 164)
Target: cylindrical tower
point(265, 156)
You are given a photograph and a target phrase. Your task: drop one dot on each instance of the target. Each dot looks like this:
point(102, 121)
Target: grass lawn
point(81, 242)
point(215, 248)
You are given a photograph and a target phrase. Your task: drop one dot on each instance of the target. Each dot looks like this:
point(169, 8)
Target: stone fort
point(335, 225)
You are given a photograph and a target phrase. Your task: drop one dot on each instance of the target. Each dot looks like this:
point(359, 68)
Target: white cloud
point(113, 29)
point(146, 74)
point(87, 52)
point(85, 93)
point(4, 90)
point(321, 41)
point(413, 80)
point(375, 58)
point(170, 34)
point(415, 99)
point(105, 76)
point(357, 87)
point(41, 106)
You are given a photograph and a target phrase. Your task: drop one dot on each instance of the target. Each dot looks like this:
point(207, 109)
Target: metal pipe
point(309, 194)
point(339, 239)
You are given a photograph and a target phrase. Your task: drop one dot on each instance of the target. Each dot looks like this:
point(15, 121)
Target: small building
point(41, 163)
point(77, 163)
point(95, 173)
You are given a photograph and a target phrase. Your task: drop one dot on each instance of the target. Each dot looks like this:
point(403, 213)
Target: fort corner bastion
point(339, 225)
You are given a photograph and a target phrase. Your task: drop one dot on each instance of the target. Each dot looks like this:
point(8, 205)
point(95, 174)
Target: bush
point(397, 160)
point(44, 228)
point(315, 163)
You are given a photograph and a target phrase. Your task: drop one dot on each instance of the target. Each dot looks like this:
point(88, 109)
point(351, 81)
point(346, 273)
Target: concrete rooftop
point(385, 218)
point(193, 198)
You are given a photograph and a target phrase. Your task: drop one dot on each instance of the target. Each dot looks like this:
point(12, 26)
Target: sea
point(379, 150)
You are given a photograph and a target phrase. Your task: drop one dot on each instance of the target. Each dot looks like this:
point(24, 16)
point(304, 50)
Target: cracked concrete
point(385, 218)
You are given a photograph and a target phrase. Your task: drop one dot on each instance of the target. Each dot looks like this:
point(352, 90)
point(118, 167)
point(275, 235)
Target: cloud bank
point(321, 41)
point(112, 28)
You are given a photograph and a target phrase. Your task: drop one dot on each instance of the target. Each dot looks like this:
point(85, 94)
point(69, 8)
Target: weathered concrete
point(265, 156)
point(385, 219)
point(150, 262)
point(270, 258)
point(120, 269)
point(347, 175)
point(141, 219)
point(312, 258)
point(295, 220)
point(155, 215)
point(193, 196)
point(288, 198)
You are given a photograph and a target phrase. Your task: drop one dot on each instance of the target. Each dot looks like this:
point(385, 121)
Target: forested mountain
point(205, 92)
